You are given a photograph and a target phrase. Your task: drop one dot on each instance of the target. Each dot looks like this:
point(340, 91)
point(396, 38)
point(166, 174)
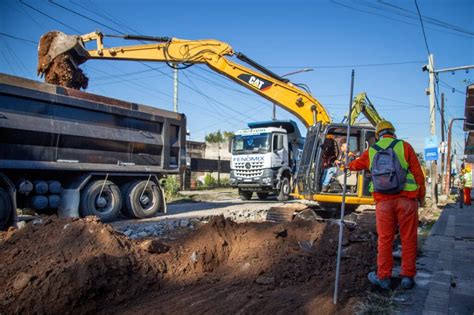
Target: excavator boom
point(362, 105)
point(173, 51)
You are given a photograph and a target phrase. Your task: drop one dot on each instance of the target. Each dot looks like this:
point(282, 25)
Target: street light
point(285, 75)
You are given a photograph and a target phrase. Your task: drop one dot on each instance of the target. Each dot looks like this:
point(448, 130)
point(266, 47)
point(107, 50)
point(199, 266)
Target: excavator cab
point(320, 177)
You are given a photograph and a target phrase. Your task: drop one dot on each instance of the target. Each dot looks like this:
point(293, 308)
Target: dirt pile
point(264, 268)
point(60, 69)
point(65, 265)
point(80, 266)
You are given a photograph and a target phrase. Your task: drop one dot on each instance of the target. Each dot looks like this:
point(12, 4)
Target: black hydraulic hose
point(142, 37)
point(258, 66)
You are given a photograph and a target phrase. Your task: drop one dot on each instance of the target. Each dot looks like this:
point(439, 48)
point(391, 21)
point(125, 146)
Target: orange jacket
point(363, 163)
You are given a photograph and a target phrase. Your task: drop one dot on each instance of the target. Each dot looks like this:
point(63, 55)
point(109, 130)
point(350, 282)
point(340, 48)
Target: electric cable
point(18, 38)
point(49, 16)
point(422, 28)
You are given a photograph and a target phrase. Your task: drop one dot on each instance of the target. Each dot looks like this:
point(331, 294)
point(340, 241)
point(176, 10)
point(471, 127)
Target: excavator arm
point(362, 105)
point(213, 53)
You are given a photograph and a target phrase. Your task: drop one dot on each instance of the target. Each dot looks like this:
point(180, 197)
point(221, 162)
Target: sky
point(381, 40)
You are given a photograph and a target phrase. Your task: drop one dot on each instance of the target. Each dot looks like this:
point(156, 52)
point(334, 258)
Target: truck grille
point(248, 169)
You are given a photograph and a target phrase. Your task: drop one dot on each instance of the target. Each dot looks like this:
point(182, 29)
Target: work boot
point(407, 283)
point(383, 283)
point(325, 188)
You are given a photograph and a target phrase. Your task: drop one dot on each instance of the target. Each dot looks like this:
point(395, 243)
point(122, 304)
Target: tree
point(218, 136)
point(228, 135)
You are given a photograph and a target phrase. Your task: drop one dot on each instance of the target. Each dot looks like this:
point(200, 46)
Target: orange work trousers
point(401, 212)
point(467, 196)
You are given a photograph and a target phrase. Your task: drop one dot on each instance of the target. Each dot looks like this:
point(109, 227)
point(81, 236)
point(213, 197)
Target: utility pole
point(433, 166)
point(442, 141)
point(175, 89)
point(447, 184)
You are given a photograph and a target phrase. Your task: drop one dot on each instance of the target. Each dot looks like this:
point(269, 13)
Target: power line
point(84, 16)
point(352, 66)
point(422, 28)
point(451, 87)
point(394, 19)
point(48, 16)
point(428, 19)
point(398, 101)
point(18, 38)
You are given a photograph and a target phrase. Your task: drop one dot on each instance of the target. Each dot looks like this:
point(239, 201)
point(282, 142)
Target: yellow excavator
point(255, 77)
point(362, 105)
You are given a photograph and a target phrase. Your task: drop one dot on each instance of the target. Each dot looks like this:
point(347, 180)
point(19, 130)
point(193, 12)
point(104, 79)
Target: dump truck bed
point(44, 126)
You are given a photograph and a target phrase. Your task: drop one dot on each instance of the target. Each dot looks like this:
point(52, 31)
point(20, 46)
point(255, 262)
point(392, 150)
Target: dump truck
point(79, 154)
point(264, 158)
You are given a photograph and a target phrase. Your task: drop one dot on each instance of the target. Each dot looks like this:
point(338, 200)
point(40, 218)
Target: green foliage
point(172, 186)
point(218, 136)
point(225, 182)
point(209, 181)
point(228, 135)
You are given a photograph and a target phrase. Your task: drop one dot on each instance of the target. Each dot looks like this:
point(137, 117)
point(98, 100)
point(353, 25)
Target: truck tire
point(245, 195)
point(146, 205)
point(5, 209)
point(284, 192)
point(107, 206)
point(262, 195)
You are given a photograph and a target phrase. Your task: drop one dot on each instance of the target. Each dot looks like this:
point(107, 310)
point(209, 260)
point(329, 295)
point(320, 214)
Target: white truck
point(265, 158)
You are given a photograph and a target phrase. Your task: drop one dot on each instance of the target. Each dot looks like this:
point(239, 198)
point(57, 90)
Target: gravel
point(140, 230)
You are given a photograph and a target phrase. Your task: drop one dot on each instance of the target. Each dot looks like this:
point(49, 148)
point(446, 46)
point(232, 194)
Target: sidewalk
point(445, 279)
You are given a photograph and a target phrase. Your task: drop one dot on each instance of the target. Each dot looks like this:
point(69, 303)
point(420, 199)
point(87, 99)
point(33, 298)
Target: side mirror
point(229, 145)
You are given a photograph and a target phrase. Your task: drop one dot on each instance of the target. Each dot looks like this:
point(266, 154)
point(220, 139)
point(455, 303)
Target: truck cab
point(265, 158)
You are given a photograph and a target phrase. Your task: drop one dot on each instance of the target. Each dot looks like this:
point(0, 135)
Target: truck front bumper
point(266, 182)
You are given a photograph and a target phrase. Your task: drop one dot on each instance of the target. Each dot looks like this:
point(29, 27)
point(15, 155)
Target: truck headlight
point(267, 180)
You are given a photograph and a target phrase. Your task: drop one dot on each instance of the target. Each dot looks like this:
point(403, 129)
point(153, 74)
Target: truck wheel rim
point(147, 201)
point(105, 203)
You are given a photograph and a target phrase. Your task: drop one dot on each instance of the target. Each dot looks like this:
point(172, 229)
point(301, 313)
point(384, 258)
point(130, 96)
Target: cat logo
point(256, 82)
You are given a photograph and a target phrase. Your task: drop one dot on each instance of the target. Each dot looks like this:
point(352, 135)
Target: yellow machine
point(262, 81)
point(362, 105)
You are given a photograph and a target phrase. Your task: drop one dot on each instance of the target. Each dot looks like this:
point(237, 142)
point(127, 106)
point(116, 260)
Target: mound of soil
point(61, 70)
point(64, 265)
point(78, 266)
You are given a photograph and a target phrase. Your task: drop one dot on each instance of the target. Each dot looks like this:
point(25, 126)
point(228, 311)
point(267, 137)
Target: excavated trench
point(81, 265)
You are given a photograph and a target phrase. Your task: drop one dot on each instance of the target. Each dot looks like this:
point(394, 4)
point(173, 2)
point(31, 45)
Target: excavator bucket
point(59, 57)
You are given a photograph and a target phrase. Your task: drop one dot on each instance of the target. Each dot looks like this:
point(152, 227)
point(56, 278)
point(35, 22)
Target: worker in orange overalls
point(467, 179)
point(395, 208)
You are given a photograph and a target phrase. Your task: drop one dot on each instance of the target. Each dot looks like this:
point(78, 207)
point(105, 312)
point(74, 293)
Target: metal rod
point(344, 190)
point(103, 185)
point(455, 69)
point(144, 188)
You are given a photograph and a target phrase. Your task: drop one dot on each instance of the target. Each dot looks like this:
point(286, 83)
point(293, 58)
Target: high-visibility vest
point(468, 179)
point(410, 184)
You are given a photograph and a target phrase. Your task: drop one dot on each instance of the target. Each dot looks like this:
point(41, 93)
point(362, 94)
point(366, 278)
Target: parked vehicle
point(80, 154)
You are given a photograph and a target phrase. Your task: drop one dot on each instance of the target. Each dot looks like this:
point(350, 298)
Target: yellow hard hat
point(383, 125)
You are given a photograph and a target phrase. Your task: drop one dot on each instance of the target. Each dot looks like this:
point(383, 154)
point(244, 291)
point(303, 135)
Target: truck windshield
point(259, 143)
